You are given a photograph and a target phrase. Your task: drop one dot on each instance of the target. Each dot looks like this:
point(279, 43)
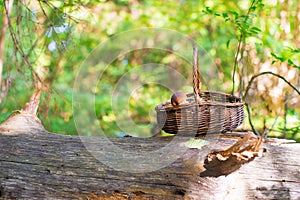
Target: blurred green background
point(57, 36)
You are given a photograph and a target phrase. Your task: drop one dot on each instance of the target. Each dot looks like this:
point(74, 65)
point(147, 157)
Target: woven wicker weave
point(203, 112)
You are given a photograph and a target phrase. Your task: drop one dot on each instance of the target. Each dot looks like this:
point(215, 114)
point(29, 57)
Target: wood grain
point(51, 166)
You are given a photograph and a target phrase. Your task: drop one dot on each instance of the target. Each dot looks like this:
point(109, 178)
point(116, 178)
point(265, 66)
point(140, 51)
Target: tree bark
point(25, 120)
point(6, 14)
point(51, 166)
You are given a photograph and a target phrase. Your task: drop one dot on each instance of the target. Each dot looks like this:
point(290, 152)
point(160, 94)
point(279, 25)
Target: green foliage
point(65, 33)
point(288, 56)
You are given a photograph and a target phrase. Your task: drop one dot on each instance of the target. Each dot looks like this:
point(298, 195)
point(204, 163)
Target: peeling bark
point(24, 120)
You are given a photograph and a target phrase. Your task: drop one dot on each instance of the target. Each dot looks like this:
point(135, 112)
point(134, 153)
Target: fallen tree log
point(51, 166)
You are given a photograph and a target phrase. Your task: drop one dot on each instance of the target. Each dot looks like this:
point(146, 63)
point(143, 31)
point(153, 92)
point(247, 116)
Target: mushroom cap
point(177, 98)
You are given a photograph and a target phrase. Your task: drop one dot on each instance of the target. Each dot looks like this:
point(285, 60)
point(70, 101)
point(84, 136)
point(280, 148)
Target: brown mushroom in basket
point(178, 98)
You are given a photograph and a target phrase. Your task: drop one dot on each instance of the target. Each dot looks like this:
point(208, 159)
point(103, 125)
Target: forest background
point(255, 46)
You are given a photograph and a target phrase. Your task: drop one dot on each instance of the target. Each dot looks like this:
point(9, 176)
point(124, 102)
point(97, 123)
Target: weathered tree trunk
point(50, 166)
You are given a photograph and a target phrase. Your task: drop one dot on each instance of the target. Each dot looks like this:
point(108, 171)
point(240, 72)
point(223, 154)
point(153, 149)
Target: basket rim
point(163, 106)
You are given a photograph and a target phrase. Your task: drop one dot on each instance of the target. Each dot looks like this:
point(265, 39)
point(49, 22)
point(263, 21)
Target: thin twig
point(51, 6)
point(249, 86)
point(273, 125)
point(241, 39)
point(235, 63)
point(249, 118)
point(43, 10)
point(241, 84)
point(274, 74)
point(20, 50)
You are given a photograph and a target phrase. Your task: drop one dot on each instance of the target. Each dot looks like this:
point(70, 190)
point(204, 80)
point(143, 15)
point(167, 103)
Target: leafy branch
point(244, 26)
point(246, 29)
point(283, 58)
point(243, 23)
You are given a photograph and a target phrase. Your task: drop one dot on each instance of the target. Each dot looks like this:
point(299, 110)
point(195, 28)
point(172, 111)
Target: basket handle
point(196, 75)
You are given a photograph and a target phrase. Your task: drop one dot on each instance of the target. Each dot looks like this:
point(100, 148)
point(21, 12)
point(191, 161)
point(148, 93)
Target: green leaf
point(207, 10)
point(227, 43)
point(236, 14)
point(295, 50)
point(245, 26)
point(273, 54)
point(291, 63)
point(256, 29)
point(195, 143)
point(228, 19)
point(277, 57)
point(225, 15)
point(164, 134)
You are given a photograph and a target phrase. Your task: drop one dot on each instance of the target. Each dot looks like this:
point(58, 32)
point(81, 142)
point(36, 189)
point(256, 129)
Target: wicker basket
point(204, 111)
